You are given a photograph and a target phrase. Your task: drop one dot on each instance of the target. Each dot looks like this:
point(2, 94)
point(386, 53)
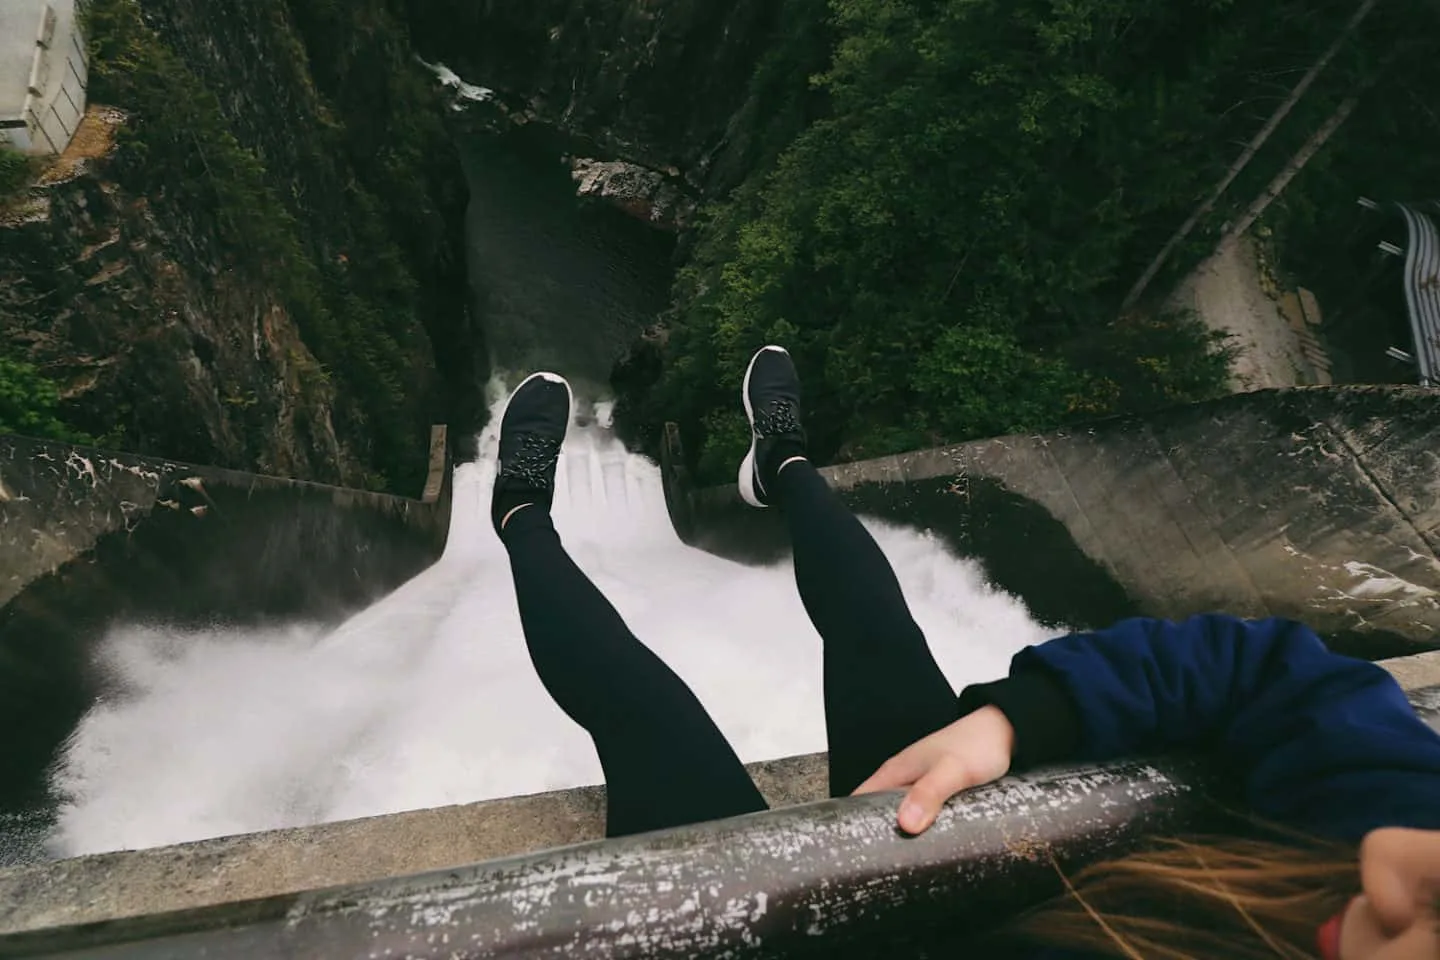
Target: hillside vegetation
point(946, 235)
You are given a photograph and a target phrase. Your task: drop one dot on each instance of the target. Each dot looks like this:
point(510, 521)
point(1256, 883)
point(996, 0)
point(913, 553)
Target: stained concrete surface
point(1319, 504)
point(58, 500)
point(19, 29)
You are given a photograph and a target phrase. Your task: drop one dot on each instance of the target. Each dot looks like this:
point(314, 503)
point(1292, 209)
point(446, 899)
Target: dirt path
point(93, 139)
point(1229, 293)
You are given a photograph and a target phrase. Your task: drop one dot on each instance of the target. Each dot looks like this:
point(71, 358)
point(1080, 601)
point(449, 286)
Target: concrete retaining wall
point(1321, 504)
point(89, 538)
point(59, 501)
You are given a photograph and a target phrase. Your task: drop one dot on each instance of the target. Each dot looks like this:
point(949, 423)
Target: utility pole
point(1244, 159)
point(1296, 164)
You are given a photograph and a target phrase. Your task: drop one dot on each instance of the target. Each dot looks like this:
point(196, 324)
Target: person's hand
point(972, 751)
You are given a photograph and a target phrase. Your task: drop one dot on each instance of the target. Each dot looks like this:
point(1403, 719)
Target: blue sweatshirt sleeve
point(1324, 743)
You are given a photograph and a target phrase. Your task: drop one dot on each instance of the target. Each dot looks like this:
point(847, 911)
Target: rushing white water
point(464, 92)
point(428, 698)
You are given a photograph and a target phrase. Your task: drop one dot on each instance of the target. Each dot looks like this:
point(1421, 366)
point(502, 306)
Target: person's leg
point(883, 689)
point(666, 763)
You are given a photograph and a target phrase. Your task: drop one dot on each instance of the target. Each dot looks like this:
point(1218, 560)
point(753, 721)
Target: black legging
point(665, 761)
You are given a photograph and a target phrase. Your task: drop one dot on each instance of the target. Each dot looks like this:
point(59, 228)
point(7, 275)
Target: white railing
point(1422, 290)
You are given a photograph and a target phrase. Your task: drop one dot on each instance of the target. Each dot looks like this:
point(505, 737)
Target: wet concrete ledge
point(1318, 504)
point(108, 887)
point(58, 500)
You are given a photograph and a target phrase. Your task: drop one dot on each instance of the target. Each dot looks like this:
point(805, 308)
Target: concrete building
point(44, 71)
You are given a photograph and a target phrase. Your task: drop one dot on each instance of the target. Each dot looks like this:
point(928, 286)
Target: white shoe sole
point(746, 480)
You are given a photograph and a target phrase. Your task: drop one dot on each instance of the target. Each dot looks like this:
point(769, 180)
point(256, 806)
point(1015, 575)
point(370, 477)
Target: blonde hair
point(1200, 899)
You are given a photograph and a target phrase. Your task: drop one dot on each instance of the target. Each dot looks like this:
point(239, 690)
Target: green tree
point(359, 313)
point(29, 404)
point(944, 250)
point(16, 171)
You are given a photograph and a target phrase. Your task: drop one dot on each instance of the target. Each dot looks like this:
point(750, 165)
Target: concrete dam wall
point(91, 538)
point(1320, 504)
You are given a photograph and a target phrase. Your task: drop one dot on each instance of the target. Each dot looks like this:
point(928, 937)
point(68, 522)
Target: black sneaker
point(531, 432)
point(772, 403)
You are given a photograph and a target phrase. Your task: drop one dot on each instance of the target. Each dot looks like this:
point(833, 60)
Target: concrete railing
point(1320, 504)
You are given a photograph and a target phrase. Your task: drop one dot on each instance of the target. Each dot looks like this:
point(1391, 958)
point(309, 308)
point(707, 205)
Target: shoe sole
point(553, 378)
point(746, 480)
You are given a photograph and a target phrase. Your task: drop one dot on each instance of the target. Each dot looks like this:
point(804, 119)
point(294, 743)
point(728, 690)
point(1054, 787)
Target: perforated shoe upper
point(532, 431)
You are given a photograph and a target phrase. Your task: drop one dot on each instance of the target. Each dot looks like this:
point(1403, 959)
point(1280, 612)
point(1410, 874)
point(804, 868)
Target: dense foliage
point(414, 196)
point(28, 404)
point(356, 302)
point(944, 249)
point(15, 172)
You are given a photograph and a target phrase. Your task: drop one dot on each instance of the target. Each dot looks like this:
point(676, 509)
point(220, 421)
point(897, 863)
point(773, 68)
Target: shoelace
point(778, 418)
point(532, 460)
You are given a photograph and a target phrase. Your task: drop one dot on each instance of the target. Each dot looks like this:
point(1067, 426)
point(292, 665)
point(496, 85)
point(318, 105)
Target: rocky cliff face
point(171, 331)
point(154, 347)
point(663, 105)
point(680, 86)
point(133, 291)
point(334, 103)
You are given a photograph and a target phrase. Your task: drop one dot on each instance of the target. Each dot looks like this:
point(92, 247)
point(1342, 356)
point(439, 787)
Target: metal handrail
point(833, 879)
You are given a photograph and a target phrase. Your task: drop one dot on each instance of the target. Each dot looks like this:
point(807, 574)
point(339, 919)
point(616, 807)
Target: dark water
point(560, 283)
